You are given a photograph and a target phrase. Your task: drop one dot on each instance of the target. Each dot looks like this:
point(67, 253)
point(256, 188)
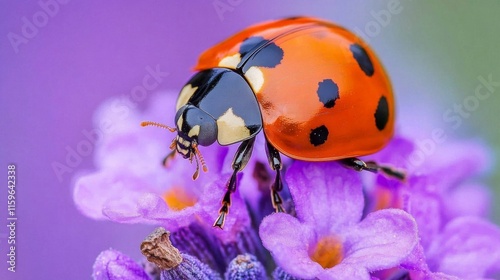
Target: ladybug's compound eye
point(196, 124)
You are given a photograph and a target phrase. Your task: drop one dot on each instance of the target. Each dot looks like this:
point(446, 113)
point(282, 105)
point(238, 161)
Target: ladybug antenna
point(201, 159)
point(196, 173)
point(149, 123)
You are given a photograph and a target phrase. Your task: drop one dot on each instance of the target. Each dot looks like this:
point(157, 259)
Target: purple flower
point(245, 267)
point(113, 265)
point(132, 186)
point(445, 173)
point(447, 206)
point(338, 227)
point(328, 239)
point(168, 263)
point(190, 268)
point(467, 247)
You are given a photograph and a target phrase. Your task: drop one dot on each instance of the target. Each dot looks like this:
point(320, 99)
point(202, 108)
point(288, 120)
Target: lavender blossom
point(245, 267)
point(113, 265)
point(440, 196)
point(341, 224)
point(446, 174)
point(190, 268)
point(467, 247)
point(327, 240)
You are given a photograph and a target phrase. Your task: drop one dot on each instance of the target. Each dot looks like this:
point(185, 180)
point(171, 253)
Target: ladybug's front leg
point(359, 165)
point(240, 160)
point(275, 162)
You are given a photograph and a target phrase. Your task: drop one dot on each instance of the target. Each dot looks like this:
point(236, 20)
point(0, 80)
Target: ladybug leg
point(168, 158)
point(275, 162)
point(359, 165)
point(240, 160)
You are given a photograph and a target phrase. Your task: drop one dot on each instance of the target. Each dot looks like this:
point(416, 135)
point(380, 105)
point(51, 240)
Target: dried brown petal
point(159, 250)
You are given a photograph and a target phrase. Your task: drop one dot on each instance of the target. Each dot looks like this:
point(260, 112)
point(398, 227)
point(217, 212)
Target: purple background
point(90, 51)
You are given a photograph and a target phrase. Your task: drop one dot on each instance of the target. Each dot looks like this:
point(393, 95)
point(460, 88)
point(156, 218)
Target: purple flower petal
point(426, 166)
point(414, 266)
point(322, 191)
point(95, 191)
point(426, 208)
point(458, 161)
point(466, 158)
point(289, 242)
point(325, 194)
point(113, 265)
point(432, 276)
point(468, 200)
point(468, 247)
point(238, 219)
point(345, 271)
point(416, 260)
point(125, 143)
point(382, 240)
point(149, 208)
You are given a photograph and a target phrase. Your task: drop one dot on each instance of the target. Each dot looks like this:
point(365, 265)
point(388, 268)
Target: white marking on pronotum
point(180, 121)
point(231, 128)
point(186, 93)
point(255, 78)
point(195, 131)
point(231, 61)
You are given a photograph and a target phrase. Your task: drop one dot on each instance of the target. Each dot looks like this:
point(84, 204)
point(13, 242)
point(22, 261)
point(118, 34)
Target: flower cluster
point(341, 224)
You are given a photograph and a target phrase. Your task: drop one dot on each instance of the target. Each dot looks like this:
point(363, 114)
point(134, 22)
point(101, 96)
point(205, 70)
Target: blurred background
point(59, 60)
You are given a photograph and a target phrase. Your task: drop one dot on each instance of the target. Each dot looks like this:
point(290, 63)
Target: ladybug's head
point(194, 127)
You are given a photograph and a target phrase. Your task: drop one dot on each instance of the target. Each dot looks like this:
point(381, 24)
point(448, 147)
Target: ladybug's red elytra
point(316, 89)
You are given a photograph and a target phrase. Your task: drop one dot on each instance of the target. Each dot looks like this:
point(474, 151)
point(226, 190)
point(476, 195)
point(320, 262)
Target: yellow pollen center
point(328, 252)
point(177, 198)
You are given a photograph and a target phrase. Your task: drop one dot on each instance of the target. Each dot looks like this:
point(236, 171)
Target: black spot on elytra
point(319, 135)
point(328, 92)
point(364, 61)
point(257, 51)
point(382, 113)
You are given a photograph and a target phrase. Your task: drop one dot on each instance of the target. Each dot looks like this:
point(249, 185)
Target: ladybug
point(317, 91)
